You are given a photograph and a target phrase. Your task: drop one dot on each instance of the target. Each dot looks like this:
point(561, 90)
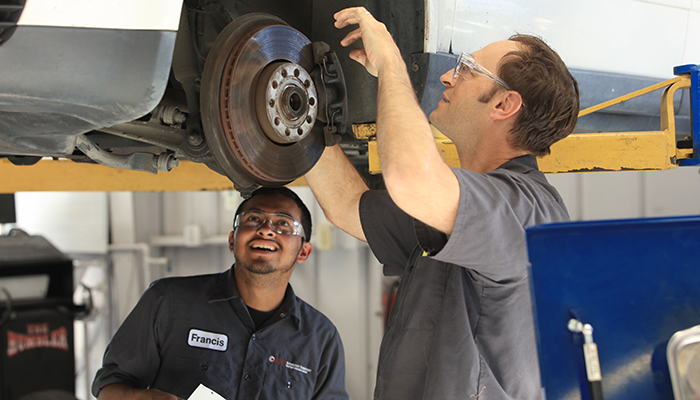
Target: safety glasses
point(467, 64)
point(281, 223)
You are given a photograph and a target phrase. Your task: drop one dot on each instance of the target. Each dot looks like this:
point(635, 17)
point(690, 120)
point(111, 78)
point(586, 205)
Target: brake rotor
point(259, 103)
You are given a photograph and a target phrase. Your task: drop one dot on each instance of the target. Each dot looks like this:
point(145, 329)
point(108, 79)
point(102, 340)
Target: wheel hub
point(286, 102)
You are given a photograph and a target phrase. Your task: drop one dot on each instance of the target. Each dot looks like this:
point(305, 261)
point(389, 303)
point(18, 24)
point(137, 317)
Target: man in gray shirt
point(461, 326)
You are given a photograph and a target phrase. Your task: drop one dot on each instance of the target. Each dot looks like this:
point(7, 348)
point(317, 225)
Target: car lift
point(580, 152)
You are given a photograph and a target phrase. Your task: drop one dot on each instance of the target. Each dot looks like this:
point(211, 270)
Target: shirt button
point(254, 337)
point(204, 367)
point(289, 385)
point(282, 315)
point(246, 377)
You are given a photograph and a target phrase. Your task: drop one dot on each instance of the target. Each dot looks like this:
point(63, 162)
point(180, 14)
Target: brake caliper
point(332, 92)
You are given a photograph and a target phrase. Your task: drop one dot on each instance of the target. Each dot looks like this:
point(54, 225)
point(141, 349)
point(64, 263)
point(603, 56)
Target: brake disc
point(259, 103)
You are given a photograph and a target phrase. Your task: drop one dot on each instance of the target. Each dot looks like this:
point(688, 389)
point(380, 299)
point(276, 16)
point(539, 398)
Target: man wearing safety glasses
point(461, 326)
point(242, 333)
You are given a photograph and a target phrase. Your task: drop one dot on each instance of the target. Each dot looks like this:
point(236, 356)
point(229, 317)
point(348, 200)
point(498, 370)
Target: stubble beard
point(263, 268)
point(262, 271)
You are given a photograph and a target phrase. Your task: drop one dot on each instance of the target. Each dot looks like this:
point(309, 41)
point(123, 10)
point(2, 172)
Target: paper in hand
point(204, 393)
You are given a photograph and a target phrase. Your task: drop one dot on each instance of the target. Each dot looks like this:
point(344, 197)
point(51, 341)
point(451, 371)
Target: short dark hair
point(549, 91)
point(284, 191)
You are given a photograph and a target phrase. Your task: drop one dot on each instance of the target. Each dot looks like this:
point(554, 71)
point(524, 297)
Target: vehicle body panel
point(123, 14)
point(76, 65)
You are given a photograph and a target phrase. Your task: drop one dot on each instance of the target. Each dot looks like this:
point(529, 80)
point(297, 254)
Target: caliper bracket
point(332, 92)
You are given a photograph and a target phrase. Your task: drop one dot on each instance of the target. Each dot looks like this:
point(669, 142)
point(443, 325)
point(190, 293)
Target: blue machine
point(636, 283)
point(694, 72)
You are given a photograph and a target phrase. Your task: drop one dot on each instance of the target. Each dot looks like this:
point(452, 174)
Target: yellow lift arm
point(69, 176)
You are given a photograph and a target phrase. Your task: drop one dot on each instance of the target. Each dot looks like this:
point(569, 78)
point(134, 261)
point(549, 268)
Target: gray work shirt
point(191, 330)
point(461, 326)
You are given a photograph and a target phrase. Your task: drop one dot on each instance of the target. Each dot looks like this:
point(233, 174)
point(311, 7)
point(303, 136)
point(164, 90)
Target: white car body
point(124, 14)
point(626, 37)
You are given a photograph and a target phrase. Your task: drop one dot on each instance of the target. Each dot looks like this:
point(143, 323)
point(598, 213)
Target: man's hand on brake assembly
point(378, 43)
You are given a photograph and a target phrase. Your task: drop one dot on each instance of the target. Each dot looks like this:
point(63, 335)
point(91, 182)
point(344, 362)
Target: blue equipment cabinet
point(636, 282)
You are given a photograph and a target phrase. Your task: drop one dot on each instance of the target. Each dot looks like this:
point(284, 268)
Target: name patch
point(207, 340)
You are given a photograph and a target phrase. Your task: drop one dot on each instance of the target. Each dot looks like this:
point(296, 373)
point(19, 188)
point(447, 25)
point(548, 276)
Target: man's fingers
point(350, 16)
point(360, 56)
point(351, 37)
point(355, 16)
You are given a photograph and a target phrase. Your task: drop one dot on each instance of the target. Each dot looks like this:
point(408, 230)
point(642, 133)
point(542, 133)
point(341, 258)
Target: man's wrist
point(392, 63)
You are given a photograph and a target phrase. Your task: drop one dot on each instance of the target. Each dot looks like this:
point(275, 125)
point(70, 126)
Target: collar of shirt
point(522, 164)
point(225, 289)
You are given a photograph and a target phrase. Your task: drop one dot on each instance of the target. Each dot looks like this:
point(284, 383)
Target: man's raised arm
point(414, 173)
point(338, 188)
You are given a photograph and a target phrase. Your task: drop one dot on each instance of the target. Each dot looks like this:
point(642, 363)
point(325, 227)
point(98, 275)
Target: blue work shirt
point(190, 330)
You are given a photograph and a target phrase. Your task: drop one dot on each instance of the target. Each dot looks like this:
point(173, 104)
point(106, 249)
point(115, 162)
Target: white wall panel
point(672, 192)
point(569, 187)
point(692, 53)
point(340, 298)
point(229, 201)
point(149, 221)
point(73, 222)
point(611, 195)
point(619, 195)
point(202, 209)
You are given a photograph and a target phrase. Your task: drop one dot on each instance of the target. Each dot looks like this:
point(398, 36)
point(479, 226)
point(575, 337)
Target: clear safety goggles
point(466, 64)
point(281, 223)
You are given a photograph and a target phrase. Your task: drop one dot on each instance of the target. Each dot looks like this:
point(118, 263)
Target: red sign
point(37, 336)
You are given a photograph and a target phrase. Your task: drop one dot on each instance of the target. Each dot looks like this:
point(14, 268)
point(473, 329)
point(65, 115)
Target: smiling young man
point(242, 333)
point(461, 326)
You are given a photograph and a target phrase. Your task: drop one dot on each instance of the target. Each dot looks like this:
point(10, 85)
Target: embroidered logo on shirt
point(289, 365)
point(207, 340)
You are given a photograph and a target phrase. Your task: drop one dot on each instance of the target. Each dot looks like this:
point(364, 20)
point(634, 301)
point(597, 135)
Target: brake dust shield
point(259, 103)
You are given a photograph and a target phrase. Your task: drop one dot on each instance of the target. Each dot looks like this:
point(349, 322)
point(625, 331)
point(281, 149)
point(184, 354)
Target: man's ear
point(230, 241)
point(509, 103)
point(304, 252)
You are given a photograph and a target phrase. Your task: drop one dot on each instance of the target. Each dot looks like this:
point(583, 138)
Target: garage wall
point(122, 241)
point(632, 194)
